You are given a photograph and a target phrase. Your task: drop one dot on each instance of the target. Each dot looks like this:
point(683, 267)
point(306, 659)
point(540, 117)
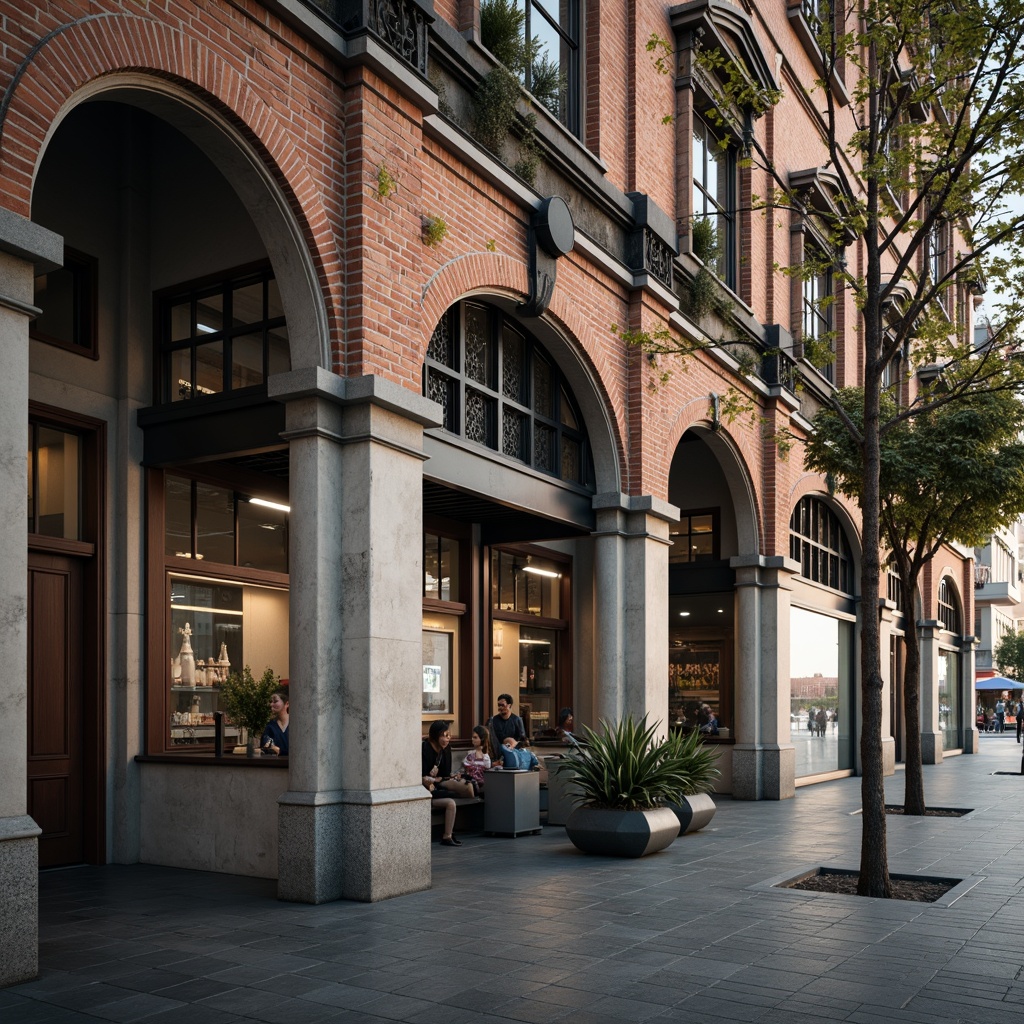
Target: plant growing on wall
point(434, 230)
point(247, 700)
point(503, 32)
point(387, 183)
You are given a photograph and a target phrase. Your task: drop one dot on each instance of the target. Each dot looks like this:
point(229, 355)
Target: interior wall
point(696, 481)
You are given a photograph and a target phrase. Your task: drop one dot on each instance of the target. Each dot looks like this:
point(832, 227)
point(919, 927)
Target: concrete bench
point(469, 816)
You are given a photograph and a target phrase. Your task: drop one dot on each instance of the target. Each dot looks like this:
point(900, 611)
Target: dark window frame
point(818, 542)
point(223, 283)
point(949, 607)
point(676, 535)
point(447, 380)
point(84, 272)
point(567, 26)
point(728, 262)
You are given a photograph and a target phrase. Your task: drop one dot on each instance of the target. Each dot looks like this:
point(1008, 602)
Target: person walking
point(1018, 711)
point(1000, 715)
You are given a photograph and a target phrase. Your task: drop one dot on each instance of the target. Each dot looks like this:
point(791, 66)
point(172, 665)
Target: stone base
point(931, 748)
point(888, 755)
point(970, 741)
point(763, 772)
point(19, 897)
point(356, 846)
point(386, 841)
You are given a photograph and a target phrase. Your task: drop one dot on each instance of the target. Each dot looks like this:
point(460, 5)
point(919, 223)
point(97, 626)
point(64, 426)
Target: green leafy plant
point(387, 183)
point(695, 760)
point(624, 767)
point(247, 699)
point(434, 230)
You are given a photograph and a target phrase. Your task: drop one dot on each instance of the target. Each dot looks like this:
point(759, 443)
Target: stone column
point(763, 758)
point(355, 822)
point(25, 250)
point(631, 544)
point(931, 735)
point(968, 695)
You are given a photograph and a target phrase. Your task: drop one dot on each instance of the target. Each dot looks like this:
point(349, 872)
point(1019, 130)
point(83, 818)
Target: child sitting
point(518, 760)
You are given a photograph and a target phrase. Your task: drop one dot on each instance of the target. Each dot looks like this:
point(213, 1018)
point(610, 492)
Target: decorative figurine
point(187, 658)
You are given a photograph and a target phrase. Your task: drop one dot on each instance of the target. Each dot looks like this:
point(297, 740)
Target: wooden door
point(56, 785)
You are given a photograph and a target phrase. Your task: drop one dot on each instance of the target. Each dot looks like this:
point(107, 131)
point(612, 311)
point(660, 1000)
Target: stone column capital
point(371, 389)
point(764, 570)
point(37, 245)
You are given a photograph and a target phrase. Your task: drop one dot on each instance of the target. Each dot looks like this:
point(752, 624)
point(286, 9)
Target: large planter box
point(613, 833)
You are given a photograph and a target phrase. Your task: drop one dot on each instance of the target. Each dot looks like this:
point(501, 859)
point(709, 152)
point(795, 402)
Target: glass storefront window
point(525, 584)
point(216, 627)
point(949, 699)
point(821, 692)
point(695, 688)
point(440, 568)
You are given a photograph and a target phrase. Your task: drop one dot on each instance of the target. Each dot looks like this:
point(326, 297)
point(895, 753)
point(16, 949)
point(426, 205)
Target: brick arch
point(562, 330)
point(729, 455)
point(131, 55)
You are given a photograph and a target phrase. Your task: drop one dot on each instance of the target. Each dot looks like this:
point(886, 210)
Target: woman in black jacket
point(437, 768)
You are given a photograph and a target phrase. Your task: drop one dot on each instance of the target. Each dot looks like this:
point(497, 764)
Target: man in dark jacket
point(505, 724)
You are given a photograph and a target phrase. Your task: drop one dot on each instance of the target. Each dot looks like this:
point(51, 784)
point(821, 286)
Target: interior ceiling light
point(541, 572)
point(684, 614)
point(270, 504)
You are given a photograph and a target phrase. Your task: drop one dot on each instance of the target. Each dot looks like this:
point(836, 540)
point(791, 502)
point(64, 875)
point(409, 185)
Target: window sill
point(804, 31)
point(207, 758)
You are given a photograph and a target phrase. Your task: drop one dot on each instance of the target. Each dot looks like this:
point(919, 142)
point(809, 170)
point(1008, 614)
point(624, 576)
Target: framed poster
point(437, 672)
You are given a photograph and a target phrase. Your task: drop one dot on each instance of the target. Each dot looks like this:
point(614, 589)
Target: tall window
point(817, 308)
point(949, 606)
point(714, 172)
point(222, 335)
point(499, 389)
point(222, 581)
point(553, 74)
point(817, 541)
point(938, 256)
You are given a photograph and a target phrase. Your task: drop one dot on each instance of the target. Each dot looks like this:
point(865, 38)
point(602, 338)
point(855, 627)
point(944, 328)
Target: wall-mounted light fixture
point(498, 640)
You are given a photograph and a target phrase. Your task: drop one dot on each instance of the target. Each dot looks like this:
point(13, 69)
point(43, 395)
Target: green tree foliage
point(1009, 655)
point(931, 148)
point(952, 473)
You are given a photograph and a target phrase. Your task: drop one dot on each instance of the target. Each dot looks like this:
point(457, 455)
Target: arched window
point(949, 606)
point(498, 388)
point(817, 541)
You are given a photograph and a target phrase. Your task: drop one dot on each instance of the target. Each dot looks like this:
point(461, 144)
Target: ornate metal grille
point(513, 433)
point(528, 414)
point(513, 380)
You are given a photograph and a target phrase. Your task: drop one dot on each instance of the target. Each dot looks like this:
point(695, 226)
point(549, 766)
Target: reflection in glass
point(949, 700)
point(215, 523)
point(56, 494)
point(177, 516)
point(821, 704)
point(262, 537)
point(246, 360)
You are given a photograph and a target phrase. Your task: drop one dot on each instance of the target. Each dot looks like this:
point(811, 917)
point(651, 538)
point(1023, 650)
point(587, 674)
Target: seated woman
point(438, 779)
point(478, 760)
point(275, 736)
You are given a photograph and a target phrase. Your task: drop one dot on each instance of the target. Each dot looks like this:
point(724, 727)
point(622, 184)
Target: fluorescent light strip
point(541, 572)
point(203, 608)
point(270, 504)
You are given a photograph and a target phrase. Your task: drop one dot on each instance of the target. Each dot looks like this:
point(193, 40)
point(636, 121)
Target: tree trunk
point(874, 860)
point(913, 798)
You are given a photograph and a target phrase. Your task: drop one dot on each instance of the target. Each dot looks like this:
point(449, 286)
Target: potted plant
point(696, 762)
point(247, 702)
point(623, 777)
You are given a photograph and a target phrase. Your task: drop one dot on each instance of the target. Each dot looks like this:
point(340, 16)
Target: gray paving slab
point(531, 930)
